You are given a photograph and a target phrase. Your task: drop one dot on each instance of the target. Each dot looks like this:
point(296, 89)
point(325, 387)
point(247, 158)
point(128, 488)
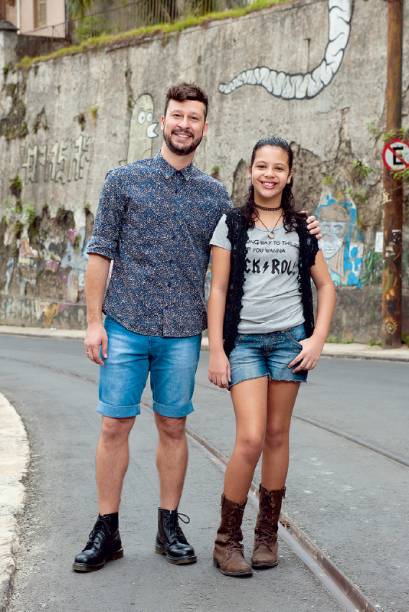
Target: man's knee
point(115, 431)
point(170, 428)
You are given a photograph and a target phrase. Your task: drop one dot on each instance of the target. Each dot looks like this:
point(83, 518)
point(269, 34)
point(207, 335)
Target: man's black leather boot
point(104, 544)
point(170, 539)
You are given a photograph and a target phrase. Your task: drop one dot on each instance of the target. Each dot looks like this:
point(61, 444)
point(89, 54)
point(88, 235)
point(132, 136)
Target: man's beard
point(182, 149)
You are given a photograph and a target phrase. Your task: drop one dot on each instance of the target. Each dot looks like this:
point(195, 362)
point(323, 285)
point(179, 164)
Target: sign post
point(394, 156)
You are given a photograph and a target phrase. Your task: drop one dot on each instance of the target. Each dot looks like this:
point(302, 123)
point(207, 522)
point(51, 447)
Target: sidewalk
point(352, 351)
point(14, 459)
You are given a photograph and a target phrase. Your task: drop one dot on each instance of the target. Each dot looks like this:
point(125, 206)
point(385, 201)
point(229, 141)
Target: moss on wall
point(14, 124)
point(138, 34)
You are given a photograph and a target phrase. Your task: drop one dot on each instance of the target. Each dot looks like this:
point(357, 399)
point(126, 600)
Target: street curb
point(354, 351)
point(42, 332)
point(347, 351)
point(14, 459)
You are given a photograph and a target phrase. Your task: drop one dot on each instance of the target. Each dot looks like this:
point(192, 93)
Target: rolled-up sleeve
point(108, 220)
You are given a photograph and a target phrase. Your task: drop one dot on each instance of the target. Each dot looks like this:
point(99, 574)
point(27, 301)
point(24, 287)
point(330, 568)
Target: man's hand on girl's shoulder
point(313, 225)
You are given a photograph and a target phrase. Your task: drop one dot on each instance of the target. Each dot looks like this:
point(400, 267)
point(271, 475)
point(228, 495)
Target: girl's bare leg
point(280, 404)
point(250, 407)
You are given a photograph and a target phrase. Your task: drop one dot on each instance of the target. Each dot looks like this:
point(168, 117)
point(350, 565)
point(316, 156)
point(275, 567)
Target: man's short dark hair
point(186, 91)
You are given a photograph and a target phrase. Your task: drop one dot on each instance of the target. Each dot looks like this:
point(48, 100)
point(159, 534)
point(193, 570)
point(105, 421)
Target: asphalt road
point(350, 500)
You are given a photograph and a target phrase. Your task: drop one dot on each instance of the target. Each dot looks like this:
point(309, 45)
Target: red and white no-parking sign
point(395, 155)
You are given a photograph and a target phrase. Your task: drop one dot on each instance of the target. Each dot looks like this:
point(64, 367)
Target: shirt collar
point(169, 171)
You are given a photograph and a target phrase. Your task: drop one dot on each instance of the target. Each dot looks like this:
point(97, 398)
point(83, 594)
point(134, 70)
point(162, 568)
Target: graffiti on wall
point(142, 131)
point(57, 264)
point(61, 162)
point(308, 85)
point(342, 242)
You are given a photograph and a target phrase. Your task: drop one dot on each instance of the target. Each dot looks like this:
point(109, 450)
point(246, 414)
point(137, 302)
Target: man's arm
point(95, 285)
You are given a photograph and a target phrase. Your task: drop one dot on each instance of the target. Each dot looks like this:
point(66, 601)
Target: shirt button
point(171, 261)
point(169, 284)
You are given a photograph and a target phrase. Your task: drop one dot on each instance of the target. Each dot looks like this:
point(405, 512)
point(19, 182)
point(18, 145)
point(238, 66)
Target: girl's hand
point(219, 369)
point(308, 358)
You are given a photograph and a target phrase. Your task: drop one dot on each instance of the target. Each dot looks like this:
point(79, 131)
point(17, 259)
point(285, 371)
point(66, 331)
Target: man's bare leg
point(171, 461)
point(104, 543)
point(112, 462)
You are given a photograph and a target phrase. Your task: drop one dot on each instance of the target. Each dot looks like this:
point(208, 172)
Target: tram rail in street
point(344, 591)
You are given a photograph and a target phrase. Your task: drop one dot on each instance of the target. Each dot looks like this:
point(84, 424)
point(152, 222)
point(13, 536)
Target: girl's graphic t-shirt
point(272, 299)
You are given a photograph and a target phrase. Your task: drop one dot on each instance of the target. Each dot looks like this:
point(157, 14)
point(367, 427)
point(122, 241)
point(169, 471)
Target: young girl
point(262, 342)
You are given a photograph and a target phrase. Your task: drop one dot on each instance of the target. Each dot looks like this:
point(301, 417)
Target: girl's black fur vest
point(238, 236)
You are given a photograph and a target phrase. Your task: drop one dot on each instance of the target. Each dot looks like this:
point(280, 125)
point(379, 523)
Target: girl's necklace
point(270, 232)
point(267, 208)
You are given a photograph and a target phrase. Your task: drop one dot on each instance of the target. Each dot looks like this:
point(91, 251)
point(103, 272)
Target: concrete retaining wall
point(313, 73)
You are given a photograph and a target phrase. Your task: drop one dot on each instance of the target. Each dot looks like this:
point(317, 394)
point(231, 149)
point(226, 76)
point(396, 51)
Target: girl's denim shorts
point(257, 355)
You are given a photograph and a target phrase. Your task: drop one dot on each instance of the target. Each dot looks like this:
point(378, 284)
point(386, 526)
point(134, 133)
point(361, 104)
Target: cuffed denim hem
point(175, 412)
point(118, 412)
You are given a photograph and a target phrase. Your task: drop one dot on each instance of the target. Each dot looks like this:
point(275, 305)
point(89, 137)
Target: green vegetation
point(15, 186)
point(13, 125)
point(78, 8)
point(372, 268)
point(93, 113)
point(107, 40)
point(405, 339)
point(6, 69)
point(338, 340)
point(361, 170)
point(401, 175)
point(401, 133)
point(358, 195)
point(94, 25)
point(327, 181)
point(29, 214)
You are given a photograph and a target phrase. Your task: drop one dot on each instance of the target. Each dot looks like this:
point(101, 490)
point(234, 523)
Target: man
point(155, 220)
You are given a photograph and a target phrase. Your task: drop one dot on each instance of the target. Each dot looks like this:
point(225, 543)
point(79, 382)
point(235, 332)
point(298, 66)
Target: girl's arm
point(219, 367)
point(312, 347)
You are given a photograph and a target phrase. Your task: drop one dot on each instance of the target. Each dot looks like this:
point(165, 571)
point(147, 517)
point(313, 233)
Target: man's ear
point(205, 128)
point(162, 122)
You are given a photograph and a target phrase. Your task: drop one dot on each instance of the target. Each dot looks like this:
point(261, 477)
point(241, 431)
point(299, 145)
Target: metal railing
point(139, 13)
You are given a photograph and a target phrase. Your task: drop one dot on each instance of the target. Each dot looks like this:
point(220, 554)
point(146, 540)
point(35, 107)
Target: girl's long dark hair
point(290, 216)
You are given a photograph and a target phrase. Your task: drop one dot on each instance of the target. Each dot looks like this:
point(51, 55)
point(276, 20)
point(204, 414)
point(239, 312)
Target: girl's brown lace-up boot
point(265, 551)
point(228, 550)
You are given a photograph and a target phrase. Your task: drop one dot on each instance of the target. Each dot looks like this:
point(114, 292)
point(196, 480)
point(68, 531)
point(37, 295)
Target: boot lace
point(185, 519)
point(97, 536)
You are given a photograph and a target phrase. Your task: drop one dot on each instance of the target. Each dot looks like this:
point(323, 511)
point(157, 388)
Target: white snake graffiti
point(303, 86)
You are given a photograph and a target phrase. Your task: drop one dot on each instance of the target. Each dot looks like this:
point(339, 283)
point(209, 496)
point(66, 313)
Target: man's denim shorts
point(257, 355)
point(171, 363)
